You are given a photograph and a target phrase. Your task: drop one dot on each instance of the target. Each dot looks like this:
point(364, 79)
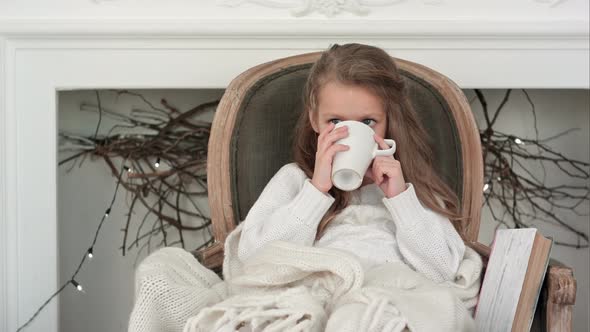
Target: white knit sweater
point(373, 227)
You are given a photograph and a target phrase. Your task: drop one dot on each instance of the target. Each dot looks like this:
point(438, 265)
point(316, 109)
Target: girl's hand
point(322, 173)
point(386, 172)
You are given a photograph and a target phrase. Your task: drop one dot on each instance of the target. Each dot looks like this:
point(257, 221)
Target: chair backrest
point(251, 136)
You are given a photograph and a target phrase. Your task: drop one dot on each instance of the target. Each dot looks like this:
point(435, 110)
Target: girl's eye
point(368, 122)
point(334, 121)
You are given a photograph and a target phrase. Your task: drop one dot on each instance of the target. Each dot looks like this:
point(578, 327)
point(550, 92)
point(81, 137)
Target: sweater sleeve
point(289, 209)
point(427, 240)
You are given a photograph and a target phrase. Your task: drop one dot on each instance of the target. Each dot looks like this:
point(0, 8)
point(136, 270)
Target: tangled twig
point(166, 153)
point(511, 182)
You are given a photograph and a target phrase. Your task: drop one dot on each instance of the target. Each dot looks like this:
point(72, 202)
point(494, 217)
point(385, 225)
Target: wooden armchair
point(251, 139)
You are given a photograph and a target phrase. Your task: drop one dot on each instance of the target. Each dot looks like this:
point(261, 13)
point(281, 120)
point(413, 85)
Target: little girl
point(402, 211)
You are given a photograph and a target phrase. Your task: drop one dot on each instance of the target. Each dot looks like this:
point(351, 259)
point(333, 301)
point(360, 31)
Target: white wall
point(85, 192)
point(557, 111)
point(83, 195)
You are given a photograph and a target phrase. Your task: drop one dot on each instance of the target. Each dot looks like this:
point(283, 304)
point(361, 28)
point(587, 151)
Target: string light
point(486, 187)
point(499, 178)
point(518, 141)
point(157, 164)
point(77, 285)
point(88, 254)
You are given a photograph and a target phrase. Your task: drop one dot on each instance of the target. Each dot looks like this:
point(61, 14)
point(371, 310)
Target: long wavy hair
point(372, 68)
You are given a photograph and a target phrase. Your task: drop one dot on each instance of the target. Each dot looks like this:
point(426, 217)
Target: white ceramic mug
point(349, 167)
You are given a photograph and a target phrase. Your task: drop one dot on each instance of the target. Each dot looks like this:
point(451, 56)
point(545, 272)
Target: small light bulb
point(518, 141)
point(77, 285)
point(499, 178)
point(157, 164)
point(106, 213)
point(90, 254)
point(486, 187)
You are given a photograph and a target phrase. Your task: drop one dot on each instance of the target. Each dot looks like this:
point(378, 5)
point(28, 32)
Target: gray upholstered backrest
point(263, 134)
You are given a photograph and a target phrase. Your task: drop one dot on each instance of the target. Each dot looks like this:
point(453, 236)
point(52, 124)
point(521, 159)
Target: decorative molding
point(331, 8)
point(4, 299)
point(550, 3)
point(494, 30)
point(328, 8)
point(301, 8)
point(9, 227)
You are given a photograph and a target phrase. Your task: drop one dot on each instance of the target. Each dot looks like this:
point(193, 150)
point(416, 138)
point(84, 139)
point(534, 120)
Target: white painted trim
point(300, 28)
point(470, 62)
point(4, 300)
point(9, 156)
point(9, 233)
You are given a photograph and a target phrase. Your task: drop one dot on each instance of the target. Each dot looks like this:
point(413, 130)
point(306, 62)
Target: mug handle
point(387, 152)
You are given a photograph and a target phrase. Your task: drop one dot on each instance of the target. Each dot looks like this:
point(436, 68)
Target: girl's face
point(340, 102)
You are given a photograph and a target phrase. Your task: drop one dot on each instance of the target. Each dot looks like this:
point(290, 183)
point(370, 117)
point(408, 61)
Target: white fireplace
point(204, 44)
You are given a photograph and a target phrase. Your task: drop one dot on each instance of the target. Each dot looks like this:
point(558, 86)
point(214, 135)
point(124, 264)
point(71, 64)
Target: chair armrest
point(559, 291)
point(562, 284)
point(211, 257)
point(561, 296)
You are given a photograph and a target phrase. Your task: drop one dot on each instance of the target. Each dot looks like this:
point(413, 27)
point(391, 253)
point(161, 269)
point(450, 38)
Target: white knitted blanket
point(288, 287)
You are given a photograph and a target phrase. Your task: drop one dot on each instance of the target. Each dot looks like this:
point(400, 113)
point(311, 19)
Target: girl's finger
point(387, 161)
point(335, 135)
point(382, 145)
point(332, 137)
point(389, 167)
point(381, 142)
point(331, 151)
point(321, 147)
point(326, 131)
point(329, 127)
point(377, 173)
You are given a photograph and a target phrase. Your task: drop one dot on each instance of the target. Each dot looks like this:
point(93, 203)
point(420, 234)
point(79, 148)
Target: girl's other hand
point(386, 172)
point(326, 149)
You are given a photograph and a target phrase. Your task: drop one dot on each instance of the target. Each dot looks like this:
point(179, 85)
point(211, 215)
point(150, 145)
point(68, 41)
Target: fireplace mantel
point(63, 45)
point(477, 43)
